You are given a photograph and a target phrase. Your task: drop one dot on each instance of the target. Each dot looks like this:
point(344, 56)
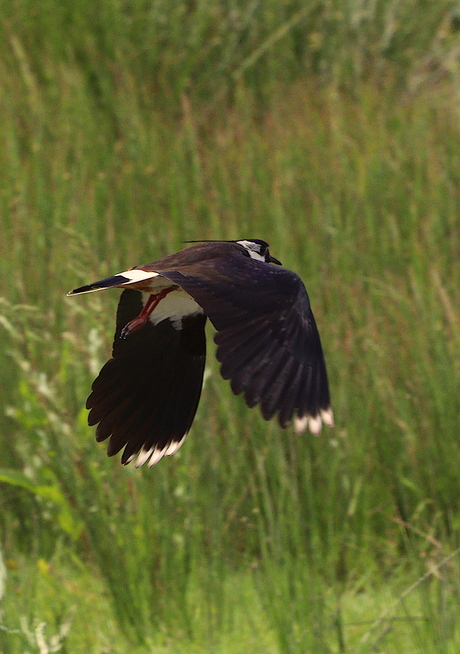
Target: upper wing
point(267, 339)
point(146, 395)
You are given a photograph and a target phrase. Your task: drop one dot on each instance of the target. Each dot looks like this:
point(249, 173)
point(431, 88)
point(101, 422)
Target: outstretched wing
point(146, 395)
point(267, 339)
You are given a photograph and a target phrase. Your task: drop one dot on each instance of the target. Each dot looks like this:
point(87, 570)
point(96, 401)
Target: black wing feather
point(267, 339)
point(146, 395)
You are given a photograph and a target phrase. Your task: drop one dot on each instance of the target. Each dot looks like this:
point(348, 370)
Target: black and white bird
point(146, 396)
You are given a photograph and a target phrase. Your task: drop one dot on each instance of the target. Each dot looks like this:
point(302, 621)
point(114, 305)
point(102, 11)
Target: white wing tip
point(174, 446)
point(300, 424)
point(157, 454)
point(143, 456)
point(327, 417)
point(154, 454)
point(314, 423)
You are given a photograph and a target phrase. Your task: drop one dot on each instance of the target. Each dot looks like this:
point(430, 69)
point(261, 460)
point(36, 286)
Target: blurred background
point(331, 129)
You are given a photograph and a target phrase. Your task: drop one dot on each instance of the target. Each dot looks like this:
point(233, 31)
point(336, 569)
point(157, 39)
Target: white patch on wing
point(174, 306)
point(142, 457)
point(300, 424)
point(156, 456)
point(314, 423)
point(328, 417)
point(155, 453)
point(174, 446)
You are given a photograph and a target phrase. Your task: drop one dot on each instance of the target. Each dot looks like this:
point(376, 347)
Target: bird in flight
point(145, 397)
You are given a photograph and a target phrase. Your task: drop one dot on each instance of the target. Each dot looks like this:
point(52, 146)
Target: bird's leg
point(144, 315)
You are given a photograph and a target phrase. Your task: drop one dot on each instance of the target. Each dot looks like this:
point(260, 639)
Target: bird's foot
point(133, 325)
point(141, 319)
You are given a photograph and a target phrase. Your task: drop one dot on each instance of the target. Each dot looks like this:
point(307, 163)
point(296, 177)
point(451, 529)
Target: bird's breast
point(174, 307)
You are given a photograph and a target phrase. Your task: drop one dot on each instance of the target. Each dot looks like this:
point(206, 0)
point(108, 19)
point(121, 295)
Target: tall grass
point(331, 130)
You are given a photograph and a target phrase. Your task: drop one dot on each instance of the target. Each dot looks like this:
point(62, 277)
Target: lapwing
point(146, 396)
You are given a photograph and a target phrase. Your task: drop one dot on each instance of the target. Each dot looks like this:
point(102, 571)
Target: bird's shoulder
point(199, 253)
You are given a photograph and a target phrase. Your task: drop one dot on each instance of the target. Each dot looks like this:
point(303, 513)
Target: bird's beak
point(273, 260)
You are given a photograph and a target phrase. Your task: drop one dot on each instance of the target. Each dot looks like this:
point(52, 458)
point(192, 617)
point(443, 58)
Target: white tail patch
point(119, 280)
point(137, 275)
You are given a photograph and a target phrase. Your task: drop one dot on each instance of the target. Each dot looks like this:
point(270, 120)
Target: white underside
point(176, 305)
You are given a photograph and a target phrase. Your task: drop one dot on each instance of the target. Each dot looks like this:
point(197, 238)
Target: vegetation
point(330, 129)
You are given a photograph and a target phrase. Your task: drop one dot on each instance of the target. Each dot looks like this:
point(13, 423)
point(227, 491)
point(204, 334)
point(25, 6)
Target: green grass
point(67, 603)
point(331, 131)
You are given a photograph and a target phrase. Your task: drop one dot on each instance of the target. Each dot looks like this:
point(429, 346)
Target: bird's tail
point(121, 280)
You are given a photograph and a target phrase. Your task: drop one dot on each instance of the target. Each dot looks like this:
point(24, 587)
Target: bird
point(145, 397)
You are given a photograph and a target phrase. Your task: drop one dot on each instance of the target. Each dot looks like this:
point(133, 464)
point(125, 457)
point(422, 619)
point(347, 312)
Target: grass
point(76, 614)
point(332, 132)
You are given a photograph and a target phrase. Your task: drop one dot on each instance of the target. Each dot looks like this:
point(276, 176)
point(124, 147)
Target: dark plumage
point(145, 397)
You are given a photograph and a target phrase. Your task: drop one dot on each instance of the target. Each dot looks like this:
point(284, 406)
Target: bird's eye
point(255, 249)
